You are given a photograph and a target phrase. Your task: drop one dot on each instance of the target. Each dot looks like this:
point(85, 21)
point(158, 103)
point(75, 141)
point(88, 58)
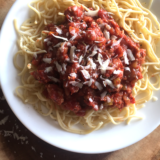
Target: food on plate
point(86, 61)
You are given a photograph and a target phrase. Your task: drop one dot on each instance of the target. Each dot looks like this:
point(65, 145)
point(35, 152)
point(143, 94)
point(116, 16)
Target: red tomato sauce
point(92, 64)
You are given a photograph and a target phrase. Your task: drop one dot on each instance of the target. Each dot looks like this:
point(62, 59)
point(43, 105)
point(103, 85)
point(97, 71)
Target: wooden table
point(20, 144)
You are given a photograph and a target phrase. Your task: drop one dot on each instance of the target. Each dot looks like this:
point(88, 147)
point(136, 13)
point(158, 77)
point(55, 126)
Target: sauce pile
point(90, 62)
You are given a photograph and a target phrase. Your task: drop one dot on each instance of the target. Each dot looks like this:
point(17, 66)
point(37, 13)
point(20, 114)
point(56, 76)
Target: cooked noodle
point(140, 24)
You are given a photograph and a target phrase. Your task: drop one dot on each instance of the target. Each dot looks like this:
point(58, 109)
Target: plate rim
point(9, 103)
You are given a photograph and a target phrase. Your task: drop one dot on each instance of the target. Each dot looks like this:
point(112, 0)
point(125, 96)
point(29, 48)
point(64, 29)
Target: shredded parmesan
point(90, 99)
point(93, 53)
point(48, 69)
point(126, 61)
point(101, 107)
point(64, 66)
point(76, 84)
point(108, 27)
point(105, 67)
point(98, 85)
point(108, 99)
point(86, 74)
point(73, 75)
point(117, 71)
point(113, 37)
point(130, 55)
point(127, 69)
point(58, 30)
point(72, 53)
point(117, 42)
point(58, 44)
point(103, 94)
point(96, 107)
point(106, 34)
point(58, 66)
point(100, 59)
point(53, 79)
point(108, 82)
point(47, 60)
point(46, 39)
point(80, 58)
point(72, 38)
point(89, 83)
point(92, 64)
point(58, 37)
point(92, 13)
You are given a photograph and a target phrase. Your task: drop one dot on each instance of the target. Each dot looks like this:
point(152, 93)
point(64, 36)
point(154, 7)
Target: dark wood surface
point(20, 144)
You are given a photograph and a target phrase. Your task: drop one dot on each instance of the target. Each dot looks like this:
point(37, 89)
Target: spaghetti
point(131, 16)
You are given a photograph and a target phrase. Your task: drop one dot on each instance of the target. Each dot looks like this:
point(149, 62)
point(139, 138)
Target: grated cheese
point(98, 85)
point(58, 37)
point(101, 107)
point(106, 34)
point(127, 69)
point(58, 44)
point(126, 61)
point(72, 53)
point(113, 37)
point(117, 42)
point(71, 39)
point(58, 66)
point(48, 69)
point(53, 79)
point(96, 107)
point(103, 94)
point(47, 60)
point(108, 99)
point(117, 71)
point(105, 67)
point(100, 59)
point(92, 64)
point(64, 66)
point(58, 30)
point(76, 84)
point(90, 99)
point(86, 74)
point(46, 39)
point(108, 82)
point(108, 27)
point(91, 13)
point(89, 83)
point(130, 55)
point(80, 58)
point(73, 75)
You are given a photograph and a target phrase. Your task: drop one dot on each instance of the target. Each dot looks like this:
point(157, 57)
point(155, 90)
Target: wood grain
point(5, 5)
point(32, 148)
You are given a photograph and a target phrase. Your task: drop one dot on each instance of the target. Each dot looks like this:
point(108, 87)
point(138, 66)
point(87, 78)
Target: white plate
point(107, 139)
